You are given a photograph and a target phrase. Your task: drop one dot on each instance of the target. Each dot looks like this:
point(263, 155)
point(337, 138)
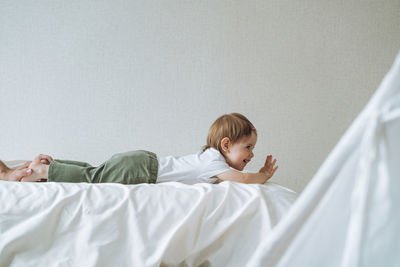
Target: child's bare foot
point(39, 170)
point(45, 159)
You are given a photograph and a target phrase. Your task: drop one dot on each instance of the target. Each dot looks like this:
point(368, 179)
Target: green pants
point(132, 167)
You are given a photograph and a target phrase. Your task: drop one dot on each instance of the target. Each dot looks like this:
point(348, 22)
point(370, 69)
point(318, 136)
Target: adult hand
point(19, 173)
point(268, 169)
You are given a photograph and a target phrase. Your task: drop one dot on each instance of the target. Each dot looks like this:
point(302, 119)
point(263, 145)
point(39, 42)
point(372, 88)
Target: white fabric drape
point(168, 224)
point(349, 214)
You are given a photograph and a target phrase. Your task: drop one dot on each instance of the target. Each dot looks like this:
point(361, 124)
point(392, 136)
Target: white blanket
point(171, 224)
point(349, 214)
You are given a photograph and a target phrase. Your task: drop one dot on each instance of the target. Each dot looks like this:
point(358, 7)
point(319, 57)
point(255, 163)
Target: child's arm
point(265, 173)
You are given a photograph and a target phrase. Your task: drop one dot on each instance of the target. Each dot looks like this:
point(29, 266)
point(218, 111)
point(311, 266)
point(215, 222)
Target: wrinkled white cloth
point(349, 214)
point(169, 224)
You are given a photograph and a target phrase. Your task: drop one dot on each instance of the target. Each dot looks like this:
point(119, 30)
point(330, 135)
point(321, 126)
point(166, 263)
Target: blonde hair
point(233, 125)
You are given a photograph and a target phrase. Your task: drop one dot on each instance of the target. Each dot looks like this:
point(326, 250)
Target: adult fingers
point(30, 179)
point(21, 173)
point(26, 164)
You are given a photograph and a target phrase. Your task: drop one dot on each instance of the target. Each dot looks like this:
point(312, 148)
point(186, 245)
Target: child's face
point(241, 152)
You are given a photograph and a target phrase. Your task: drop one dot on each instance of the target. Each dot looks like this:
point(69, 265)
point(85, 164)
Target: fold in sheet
point(171, 224)
point(348, 215)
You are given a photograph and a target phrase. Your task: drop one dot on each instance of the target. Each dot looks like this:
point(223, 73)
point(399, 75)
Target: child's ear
point(225, 144)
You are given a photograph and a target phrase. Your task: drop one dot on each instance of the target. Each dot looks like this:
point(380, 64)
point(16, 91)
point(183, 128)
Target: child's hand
point(268, 168)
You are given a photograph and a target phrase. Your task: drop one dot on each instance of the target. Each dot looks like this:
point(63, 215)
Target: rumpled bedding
point(348, 215)
point(170, 224)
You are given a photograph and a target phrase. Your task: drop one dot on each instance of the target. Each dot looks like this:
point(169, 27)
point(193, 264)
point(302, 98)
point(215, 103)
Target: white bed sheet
point(348, 215)
point(170, 224)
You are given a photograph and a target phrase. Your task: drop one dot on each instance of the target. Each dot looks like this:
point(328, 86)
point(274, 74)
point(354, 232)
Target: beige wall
point(86, 79)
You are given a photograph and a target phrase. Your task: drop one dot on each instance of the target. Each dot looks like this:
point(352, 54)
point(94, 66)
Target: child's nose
point(251, 154)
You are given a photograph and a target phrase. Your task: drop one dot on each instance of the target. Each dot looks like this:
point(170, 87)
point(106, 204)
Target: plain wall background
point(85, 79)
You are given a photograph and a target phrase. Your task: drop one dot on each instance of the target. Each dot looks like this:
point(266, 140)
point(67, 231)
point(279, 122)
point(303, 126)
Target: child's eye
point(248, 147)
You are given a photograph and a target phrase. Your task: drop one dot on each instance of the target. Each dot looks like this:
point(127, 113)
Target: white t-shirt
point(191, 169)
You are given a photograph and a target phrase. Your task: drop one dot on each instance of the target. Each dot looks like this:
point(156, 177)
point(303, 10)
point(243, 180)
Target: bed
point(169, 224)
point(347, 216)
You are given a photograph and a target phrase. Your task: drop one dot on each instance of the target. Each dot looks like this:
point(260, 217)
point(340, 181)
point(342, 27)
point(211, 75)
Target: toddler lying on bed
point(230, 143)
